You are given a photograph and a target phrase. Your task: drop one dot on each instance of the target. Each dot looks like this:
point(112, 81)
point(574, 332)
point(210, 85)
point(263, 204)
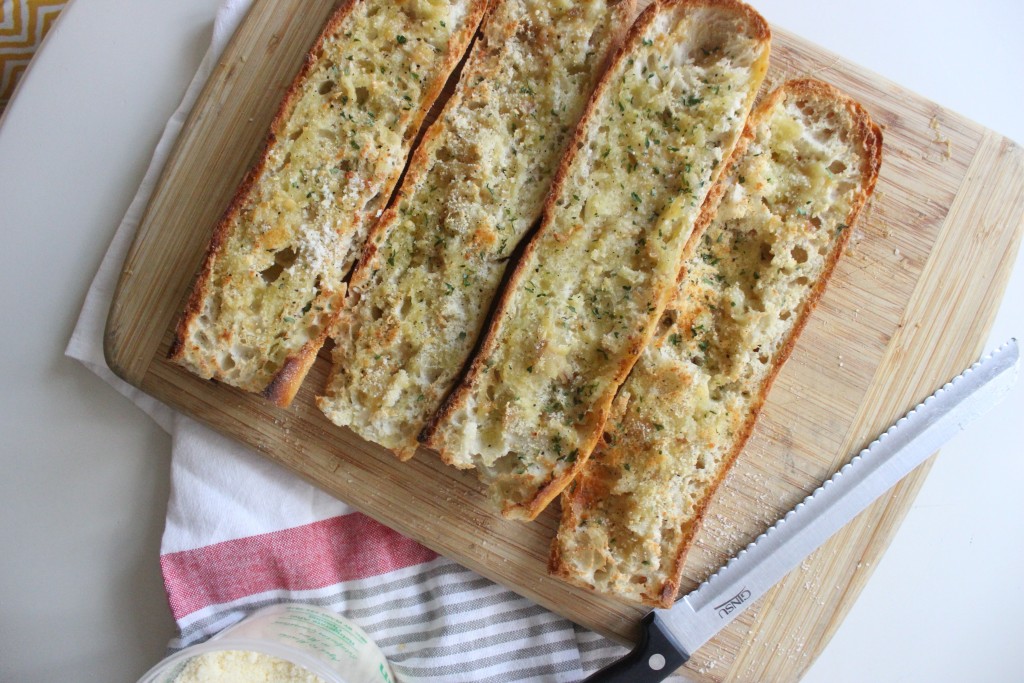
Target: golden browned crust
point(475, 366)
point(201, 286)
point(585, 490)
point(623, 12)
point(581, 488)
point(285, 384)
point(599, 412)
point(869, 137)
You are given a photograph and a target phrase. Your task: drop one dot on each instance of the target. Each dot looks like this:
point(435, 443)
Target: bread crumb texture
point(273, 278)
point(476, 185)
point(592, 283)
point(691, 400)
point(237, 666)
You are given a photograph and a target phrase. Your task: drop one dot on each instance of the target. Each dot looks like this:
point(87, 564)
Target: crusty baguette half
point(423, 287)
point(592, 283)
point(810, 161)
point(272, 281)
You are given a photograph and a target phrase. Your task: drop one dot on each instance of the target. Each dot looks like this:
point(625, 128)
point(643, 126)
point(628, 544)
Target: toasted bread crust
point(594, 487)
point(489, 339)
point(281, 385)
point(201, 285)
point(597, 413)
point(523, 87)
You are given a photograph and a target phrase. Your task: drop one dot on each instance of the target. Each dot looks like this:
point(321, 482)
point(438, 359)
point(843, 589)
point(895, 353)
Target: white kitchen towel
point(242, 532)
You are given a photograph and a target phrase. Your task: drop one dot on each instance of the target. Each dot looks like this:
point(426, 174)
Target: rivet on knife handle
point(698, 616)
point(656, 655)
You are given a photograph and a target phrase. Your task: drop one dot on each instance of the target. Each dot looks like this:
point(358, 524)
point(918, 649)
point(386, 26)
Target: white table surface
point(85, 475)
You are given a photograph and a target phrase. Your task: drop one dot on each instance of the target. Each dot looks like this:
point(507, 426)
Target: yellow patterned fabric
point(23, 23)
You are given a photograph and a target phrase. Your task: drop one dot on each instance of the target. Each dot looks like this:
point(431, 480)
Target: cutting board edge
point(116, 348)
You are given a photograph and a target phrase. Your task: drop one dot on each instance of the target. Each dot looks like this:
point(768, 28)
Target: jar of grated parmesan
point(285, 643)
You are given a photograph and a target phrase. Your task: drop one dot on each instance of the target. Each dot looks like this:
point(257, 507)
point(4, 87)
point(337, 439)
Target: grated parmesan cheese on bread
point(592, 283)
point(811, 160)
point(476, 185)
point(272, 280)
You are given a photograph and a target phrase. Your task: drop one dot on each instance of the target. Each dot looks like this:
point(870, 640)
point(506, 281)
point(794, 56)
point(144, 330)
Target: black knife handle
point(654, 658)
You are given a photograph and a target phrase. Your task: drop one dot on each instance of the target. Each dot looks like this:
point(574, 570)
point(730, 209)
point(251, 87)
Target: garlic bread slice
point(810, 162)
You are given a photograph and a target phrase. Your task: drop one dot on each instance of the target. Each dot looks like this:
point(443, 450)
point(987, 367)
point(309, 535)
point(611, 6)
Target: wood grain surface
point(908, 308)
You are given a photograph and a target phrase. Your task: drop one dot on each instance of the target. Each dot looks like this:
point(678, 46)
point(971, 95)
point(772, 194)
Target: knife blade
point(670, 636)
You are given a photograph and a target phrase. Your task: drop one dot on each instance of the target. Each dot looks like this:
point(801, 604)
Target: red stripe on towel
point(302, 558)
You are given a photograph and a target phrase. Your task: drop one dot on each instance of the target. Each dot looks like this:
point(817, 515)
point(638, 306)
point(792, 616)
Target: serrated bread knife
point(670, 636)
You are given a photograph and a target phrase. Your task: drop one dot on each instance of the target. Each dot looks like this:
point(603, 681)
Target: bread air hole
point(594, 42)
point(284, 162)
point(718, 38)
point(212, 308)
point(431, 374)
point(799, 254)
point(581, 68)
point(372, 205)
point(227, 363)
point(282, 261)
point(444, 155)
point(242, 353)
point(326, 87)
point(667, 118)
point(836, 167)
point(362, 95)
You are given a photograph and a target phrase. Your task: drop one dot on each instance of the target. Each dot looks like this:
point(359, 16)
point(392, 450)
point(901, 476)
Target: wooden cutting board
point(908, 308)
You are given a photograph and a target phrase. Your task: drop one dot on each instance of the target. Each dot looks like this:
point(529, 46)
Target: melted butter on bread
point(272, 281)
point(475, 187)
point(592, 283)
point(811, 160)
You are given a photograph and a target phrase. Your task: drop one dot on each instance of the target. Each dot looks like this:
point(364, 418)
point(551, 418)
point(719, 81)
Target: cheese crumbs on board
point(592, 283)
point(811, 159)
point(272, 281)
point(476, 185)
